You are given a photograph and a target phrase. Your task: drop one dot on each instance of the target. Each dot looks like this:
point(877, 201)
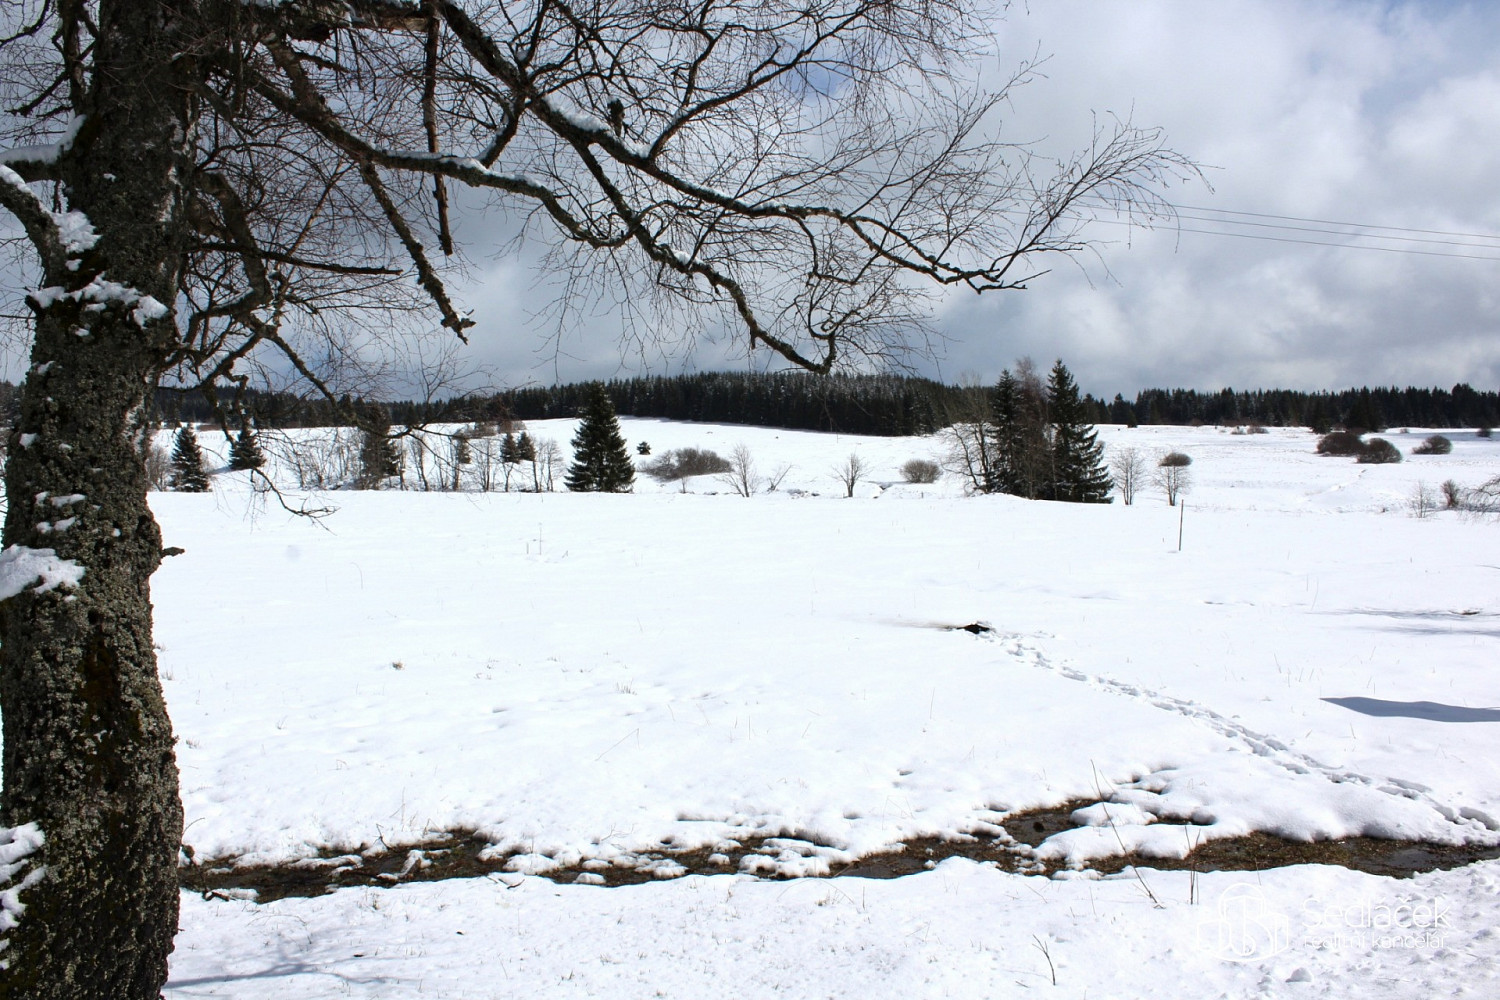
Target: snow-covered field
point(583, 677)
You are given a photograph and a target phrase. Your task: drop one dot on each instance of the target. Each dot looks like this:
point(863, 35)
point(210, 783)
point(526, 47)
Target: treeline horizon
point(874, 405)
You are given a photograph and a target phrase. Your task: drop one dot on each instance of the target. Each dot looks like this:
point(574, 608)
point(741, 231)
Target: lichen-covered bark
point(88, 745)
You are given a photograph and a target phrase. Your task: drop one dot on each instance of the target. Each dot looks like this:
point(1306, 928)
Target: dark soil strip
point(459, 854)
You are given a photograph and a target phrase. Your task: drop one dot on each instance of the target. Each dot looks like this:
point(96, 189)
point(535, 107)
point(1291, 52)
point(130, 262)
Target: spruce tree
point(244, 451)
point(1003, 468)
point(378, 457)
point(600, 462)
point(525, 448)
point(1078, 469)
point(187, 463)
point(1020, 460)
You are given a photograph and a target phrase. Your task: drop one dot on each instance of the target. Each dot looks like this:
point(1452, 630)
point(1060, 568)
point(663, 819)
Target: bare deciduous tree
point(1128, 465)
point(970, 438)
point(1172, 476)
point(969, 454)
point(486, 460)
point(215, 189)
point(849, 472)
point(544, 465)
point(741, 475)
point(158, 467)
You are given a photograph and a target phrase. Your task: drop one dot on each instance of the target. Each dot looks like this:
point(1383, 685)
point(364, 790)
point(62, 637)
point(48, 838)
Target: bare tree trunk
point(88, 745)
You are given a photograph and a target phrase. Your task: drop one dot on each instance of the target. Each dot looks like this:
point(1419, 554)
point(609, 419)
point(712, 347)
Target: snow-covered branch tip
point(38, 570)
point(18, 873)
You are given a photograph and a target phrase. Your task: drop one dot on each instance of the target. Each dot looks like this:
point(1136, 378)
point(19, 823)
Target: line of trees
point(1365, 409)
point(876, 405)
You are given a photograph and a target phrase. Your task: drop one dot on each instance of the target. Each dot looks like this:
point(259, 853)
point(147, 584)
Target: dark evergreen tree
point(600, 462)
point(244, 451)
point(525, 448)
point(508, 449)
point(379, 458)
point(1318, 420)
point(1003, 467)
point(187, 463)
point(1078, 474)
point(1364, 414)
point(1019, 459)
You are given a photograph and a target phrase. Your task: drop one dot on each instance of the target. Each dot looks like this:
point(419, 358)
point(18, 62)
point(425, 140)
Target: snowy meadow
point(591, 683)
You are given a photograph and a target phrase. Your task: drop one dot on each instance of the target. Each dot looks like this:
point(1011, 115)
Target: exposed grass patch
point(464, 854)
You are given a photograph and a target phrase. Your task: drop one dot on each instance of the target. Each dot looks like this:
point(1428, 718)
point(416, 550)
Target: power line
point(1333, 222)
point(1327, 243)
point(1332, 232)
point(1342, 232)
point(1315, 243)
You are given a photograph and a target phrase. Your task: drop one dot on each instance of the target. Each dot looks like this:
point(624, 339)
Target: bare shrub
point(1435, 445)
point(1128, 466)
point(1452, 495)
point(1172, 476)
point(920, 470)
point(1255, 428)
point(1379, 451)
point(684, 463)
point(1423, 501)
point(774, 480)
point(1484, 432)
point(1340, 443)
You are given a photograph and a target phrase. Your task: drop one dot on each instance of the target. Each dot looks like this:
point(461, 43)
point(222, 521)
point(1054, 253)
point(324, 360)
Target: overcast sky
point(1379, 114)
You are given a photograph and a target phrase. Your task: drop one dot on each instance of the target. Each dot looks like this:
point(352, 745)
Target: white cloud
point(1375, 114)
